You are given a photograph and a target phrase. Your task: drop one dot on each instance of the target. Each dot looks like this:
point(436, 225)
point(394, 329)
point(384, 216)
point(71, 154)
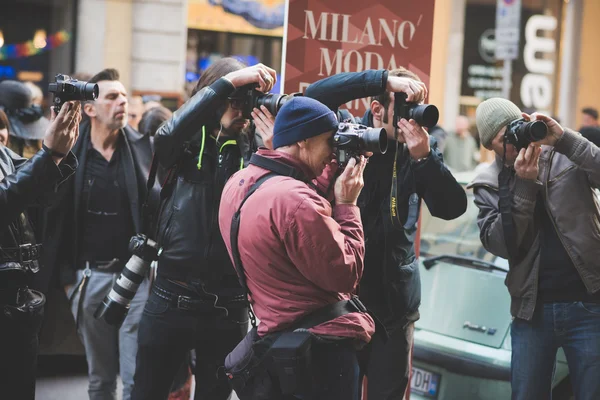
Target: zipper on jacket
point(217, 198)
point(554, 224)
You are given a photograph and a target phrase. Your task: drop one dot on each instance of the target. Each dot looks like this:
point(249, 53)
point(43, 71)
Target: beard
point(234, 129)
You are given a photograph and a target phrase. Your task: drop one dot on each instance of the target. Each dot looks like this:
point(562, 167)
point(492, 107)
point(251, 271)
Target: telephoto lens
point(115, 306)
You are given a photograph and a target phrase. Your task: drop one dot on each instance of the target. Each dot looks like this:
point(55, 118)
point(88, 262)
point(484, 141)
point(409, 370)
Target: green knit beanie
point(492, 115)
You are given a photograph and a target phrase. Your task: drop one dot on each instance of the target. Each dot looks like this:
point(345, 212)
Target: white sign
point(508, 20)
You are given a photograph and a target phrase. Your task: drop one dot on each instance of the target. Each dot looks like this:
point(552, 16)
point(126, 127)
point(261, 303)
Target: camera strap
point(146, 215)
point(277, 169)
point(394, 213)
point(505, 207)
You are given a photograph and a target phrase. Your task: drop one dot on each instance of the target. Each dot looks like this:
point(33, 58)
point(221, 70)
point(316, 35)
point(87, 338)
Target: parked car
point(462, 346)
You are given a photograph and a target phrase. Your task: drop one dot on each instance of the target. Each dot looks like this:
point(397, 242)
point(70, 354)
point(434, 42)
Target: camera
point(520, 133)
point(426, 115)
point(251, 98)
point(115, 306)
point(66, 89)
point(352, 140)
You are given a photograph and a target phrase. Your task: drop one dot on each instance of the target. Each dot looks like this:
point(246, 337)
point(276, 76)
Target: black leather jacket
point(23, 184)
point(188, 230)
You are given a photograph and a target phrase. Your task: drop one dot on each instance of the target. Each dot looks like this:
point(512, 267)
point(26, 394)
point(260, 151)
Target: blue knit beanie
point(302, 118)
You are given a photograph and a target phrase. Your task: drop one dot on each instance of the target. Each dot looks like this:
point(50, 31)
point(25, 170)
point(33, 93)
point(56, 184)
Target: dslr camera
point(249, 98)
point(115, 306)
point(520, 133)
point(66, 89)
point(353, 140)
point(425, 115)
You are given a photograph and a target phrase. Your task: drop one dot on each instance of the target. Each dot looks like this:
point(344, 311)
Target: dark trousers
point(336, 372)
point(387, 363)
point(166, 335)
point(18, 351)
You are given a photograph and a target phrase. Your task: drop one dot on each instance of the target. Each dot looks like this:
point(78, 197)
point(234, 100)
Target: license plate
point(424, 382)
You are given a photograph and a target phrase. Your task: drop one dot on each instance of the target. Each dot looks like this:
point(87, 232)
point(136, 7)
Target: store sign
point(536, 87)
point(327, 38)
point(508, 22)
point(534, 69)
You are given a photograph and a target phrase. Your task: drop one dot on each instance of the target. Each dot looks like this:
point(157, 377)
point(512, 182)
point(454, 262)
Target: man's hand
point(349, 184)
point(415, 137)
point(264, 122)
point(63, 131)
point(259, 73)
point(555, 131)
point(526, 164)
point(416, 91)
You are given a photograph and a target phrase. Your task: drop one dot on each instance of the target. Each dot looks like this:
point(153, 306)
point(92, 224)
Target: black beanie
point(302, 118)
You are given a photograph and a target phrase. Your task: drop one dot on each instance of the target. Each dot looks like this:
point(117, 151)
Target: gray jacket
point(568, 173)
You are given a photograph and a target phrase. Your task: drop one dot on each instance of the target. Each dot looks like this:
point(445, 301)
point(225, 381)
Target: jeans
point(573, 326)
point(168, 333)
point(109, 350)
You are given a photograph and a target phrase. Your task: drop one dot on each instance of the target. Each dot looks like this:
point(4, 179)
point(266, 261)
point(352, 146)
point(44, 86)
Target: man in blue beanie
point(296, 253)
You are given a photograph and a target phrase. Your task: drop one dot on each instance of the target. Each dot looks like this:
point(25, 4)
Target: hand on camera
point(261, 74)
point(526, 164)
point(416, 91)
point(349, 184)
point(63, 131)
point(555, 131)
point(415, 137)
point(264, 122)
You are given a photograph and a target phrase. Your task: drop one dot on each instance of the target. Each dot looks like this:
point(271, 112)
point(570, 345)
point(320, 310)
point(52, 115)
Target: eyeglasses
point(236, 103)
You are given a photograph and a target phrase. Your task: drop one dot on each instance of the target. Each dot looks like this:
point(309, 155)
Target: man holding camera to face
point(395, 182)
point(298, 256)
point(25, 183)
point(538, 209)
point(196, 301)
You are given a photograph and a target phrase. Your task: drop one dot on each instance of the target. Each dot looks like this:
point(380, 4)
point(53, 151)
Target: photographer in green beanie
point(537, 208)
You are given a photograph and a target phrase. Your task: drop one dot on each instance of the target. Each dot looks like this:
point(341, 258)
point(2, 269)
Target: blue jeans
point(573, 326)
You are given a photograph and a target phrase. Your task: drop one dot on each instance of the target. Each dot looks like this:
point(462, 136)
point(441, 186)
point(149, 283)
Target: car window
point(457, 237)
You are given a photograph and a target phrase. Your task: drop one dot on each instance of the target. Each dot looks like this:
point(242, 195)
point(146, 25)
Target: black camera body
point(353, 140)
point(426, 115)
point(520, 133)
point(66, 89)
point(252, 98)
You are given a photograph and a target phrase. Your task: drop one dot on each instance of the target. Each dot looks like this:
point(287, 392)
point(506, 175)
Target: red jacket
point(297, 257)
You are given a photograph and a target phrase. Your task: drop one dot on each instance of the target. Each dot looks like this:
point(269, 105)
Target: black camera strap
point(146, 212)
point(394, 212)
point(505, 207)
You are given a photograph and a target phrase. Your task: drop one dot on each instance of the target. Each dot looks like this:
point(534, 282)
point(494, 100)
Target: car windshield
point(457, 237)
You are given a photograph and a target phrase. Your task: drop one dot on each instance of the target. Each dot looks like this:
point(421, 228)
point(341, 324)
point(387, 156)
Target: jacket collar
point(287, 159)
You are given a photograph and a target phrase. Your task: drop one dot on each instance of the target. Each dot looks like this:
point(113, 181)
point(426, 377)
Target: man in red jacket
point(299, 253)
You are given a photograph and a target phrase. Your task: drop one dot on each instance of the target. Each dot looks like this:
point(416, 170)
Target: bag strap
point(317, 317)
point(329, 312)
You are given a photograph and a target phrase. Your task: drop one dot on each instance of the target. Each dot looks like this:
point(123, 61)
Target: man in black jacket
point(196, 301)
point(391, 286)
point(87, 233)
point(23, 184)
